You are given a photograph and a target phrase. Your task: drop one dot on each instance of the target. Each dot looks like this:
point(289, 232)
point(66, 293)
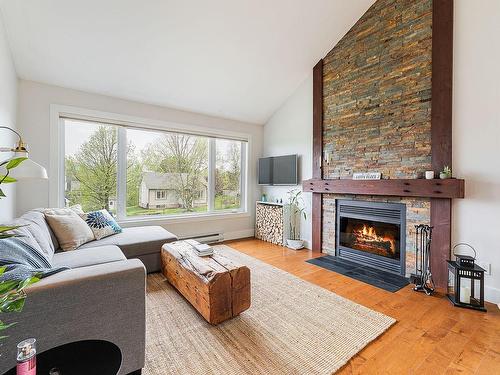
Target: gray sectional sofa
point(101, 296)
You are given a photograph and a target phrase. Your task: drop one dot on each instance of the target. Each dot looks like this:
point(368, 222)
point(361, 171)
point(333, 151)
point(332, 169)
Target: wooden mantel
point(451, 188)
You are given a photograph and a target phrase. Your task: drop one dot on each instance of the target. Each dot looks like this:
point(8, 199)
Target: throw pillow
point(24, 234)
point(101, 223)
point(77, 208)
point(70, 229)
point(41, 232)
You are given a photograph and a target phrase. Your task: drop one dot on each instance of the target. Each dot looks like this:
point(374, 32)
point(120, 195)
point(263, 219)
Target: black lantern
point(466, 281)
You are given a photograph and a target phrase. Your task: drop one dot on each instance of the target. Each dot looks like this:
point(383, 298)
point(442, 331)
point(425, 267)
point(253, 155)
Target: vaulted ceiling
point(236, 59)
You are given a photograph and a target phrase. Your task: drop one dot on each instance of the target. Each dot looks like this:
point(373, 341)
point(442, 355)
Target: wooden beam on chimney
point(317, 199)
point(441, 132)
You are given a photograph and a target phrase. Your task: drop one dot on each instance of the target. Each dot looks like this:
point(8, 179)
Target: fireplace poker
point(422, 278)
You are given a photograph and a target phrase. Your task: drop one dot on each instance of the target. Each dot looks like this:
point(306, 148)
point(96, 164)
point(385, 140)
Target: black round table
point(79, 358)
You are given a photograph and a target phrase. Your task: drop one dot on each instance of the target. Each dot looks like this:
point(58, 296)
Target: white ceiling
point(236, 59)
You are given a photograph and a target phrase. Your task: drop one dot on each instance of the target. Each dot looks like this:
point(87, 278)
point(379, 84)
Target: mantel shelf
point(450, 188)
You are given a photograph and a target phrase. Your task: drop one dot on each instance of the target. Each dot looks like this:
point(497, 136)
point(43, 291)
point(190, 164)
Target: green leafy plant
point(5, 231)
point(445, 173)
point(12, 294)
point(297, 210)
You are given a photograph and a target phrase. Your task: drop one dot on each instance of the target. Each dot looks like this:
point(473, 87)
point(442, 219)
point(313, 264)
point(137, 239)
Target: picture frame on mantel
point(367, 176)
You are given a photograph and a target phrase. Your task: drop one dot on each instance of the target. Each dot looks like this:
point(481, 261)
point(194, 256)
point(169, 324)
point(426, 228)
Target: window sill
point(177, 219)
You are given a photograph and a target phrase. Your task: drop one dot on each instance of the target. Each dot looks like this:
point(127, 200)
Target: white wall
point(35, 100)
point(476, 132)
point(8, 103)
point(289, 131)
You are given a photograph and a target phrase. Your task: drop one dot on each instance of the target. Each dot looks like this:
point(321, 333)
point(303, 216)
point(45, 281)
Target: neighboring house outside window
point(159, 190)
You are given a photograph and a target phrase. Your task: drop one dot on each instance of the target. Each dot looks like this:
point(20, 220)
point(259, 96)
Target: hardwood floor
point(430, 337)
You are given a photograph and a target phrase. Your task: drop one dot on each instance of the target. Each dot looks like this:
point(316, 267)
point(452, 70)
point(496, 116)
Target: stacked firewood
point(269, 223)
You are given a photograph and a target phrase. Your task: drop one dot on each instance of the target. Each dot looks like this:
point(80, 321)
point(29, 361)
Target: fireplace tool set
point(422, 278)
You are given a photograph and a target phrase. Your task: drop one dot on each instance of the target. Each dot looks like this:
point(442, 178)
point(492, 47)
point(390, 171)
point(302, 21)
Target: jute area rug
point(292, 327)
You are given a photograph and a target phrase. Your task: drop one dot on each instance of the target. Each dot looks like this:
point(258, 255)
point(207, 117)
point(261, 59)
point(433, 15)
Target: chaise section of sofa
point(143, 243)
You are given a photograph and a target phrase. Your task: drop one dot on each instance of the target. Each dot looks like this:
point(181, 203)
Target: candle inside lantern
point(465, 294)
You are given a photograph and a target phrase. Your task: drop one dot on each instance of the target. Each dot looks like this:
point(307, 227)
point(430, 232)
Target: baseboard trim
point(492, 294)
point(235, 235)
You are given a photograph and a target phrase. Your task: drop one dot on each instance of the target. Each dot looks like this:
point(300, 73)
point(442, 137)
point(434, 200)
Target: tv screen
point(278, 170)
point(285, 170)
point(265, 171)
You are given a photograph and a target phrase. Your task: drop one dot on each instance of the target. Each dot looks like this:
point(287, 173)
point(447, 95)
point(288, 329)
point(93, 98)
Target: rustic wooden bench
point(218, 288)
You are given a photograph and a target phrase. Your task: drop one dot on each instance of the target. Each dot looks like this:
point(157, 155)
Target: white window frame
point(56, 180)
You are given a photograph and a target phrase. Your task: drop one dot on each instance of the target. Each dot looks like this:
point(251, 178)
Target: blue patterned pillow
point(102, 223)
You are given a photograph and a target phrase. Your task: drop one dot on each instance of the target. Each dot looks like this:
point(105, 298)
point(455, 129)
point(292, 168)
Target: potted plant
point(296, 210)
point(445, 173)
point(12, 295)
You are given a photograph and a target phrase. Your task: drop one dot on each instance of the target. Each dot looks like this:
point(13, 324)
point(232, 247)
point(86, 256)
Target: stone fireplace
point(382, 103)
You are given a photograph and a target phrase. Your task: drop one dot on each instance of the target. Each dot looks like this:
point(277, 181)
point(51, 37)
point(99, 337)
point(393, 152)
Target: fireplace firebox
point(372, 233)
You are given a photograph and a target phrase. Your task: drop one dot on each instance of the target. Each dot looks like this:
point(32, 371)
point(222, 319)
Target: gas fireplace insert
point(372, 233)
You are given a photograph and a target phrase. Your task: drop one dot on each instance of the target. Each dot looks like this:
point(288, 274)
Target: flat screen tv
point(278, 170)
point(265, 171)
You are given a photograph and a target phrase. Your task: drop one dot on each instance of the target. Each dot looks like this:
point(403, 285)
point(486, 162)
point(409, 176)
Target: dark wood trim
point(317, 210)
point(442, 79)
point(317, 119)
point(441, 240)
point(452, 188)
point(441, 131)
point(317, 222)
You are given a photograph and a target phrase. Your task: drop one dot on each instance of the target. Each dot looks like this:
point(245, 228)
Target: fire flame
point(368, 231)
point(368, 234)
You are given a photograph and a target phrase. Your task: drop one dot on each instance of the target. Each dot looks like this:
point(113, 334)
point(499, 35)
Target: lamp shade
point(28, 169)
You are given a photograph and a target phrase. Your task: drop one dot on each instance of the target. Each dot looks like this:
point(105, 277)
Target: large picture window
point(137, 172)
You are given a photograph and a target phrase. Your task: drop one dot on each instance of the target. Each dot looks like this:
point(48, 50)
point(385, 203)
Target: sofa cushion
point(40, 231)
point(136, 241)
point(88, 257)
point(70, 229)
